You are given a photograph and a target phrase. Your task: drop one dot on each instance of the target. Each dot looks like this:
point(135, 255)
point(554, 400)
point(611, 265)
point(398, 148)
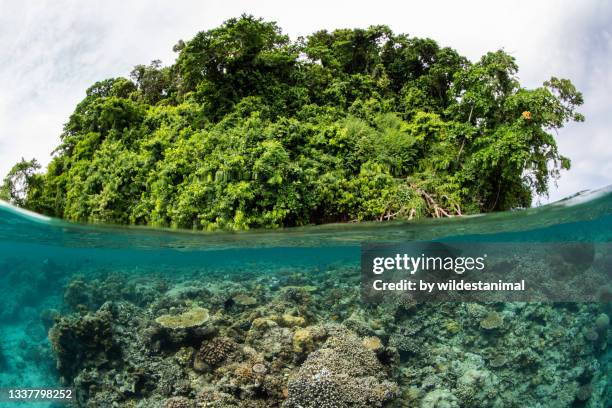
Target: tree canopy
point(250, 129)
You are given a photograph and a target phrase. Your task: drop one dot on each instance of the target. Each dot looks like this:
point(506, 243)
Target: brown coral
point(244, 300)
point(210, 397)
point(191, 318)
point(372, 343)
point(342, 373)
point(492, 320)
point(178, 402)
point(75, 340)
point(213, 352)
point(259, 368)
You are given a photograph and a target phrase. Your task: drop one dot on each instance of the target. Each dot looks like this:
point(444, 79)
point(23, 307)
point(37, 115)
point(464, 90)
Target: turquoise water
point(41, 259)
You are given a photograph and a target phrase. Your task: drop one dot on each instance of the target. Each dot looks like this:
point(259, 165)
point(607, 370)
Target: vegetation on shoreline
point(250, 129)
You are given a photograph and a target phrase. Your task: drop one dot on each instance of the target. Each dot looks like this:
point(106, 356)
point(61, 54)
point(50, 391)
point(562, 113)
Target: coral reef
point(304, 341)
point(492, 320)
point(342, 373)
point(18, 298)
point(602, 322)
point(244, 300)
point(191, 318)
point(83, 341)
point(440, 398)
point(178, 402)
point(213, 352)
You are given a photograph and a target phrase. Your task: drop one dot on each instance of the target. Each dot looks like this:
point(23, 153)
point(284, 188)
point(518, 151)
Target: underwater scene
point(141, 317)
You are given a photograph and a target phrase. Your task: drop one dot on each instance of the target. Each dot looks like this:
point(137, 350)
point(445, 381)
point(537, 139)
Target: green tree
point(20, 182)
point(248, 129)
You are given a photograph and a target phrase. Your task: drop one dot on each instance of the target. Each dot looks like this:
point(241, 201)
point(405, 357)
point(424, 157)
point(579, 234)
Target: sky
point(51, 51)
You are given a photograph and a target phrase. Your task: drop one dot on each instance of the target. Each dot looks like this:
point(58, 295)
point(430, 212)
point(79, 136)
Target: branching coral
point(178, 402)
point(343, 373)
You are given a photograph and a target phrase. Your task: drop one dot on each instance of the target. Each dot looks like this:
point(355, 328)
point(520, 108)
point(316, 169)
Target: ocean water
point(52, 270)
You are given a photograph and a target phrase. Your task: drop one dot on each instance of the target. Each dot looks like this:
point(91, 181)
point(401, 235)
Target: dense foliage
point(250, 129)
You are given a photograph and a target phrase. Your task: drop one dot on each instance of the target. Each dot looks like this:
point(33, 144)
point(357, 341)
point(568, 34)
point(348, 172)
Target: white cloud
point(50, 52)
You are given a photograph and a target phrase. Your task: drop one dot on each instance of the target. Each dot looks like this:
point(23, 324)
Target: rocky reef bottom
point(301, 338)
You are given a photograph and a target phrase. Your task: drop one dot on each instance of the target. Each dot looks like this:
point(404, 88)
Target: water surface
point(40, 258)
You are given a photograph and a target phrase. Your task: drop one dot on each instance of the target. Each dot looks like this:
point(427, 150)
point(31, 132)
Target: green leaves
point(249, 129)
point(20, 181)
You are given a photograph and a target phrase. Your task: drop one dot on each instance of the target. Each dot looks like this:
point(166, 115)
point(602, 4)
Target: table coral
point(191, 318)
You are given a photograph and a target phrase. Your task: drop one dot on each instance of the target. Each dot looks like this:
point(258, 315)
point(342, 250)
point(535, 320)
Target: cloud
point(581, 49)
point(52, 51)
